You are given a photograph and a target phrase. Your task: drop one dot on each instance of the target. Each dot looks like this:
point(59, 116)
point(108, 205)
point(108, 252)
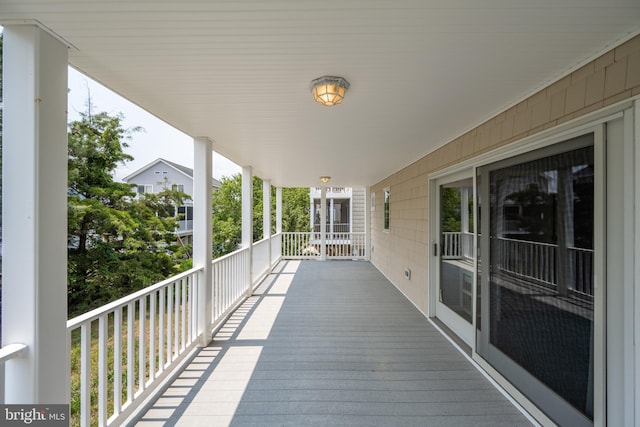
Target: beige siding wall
point(357, 209)
point(613, 77)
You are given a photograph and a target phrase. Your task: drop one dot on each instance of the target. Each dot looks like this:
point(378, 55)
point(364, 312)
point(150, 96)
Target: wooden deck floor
point(328, 344)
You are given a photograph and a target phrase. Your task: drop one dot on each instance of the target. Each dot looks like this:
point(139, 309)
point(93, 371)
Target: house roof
point(422, 72)
point(180, 168)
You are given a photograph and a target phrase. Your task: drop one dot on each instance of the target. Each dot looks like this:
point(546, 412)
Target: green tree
point(451, 210)
point(295, 209)
point(227, 215)
point(227, 212)
point(118, 243)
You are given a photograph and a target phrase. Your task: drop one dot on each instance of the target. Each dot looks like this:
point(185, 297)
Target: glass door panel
point(456, 257)
point(538, 280)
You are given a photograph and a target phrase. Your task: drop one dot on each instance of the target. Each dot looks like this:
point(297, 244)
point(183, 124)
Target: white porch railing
point(134, 341)
point(529, 260)
point(185, 225)
point(8, 352)
point(157, 328)
point(307, 245)
point(230, 282)
point(538, 262)
point(338, 227)
point(276, 248)
point(457, 245)
point(261, 261)
point(300, 245)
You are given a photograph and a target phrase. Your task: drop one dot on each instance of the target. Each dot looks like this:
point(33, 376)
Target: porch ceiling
point(421, 71)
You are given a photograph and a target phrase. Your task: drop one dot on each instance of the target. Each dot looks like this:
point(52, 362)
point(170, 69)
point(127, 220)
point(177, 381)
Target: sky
point(158, 139)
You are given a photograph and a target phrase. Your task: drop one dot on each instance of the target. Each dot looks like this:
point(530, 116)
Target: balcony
point(326, 343)
point(294, 342)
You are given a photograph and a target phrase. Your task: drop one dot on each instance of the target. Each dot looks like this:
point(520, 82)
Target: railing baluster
point(130, 351)
point(117, 361)
point(152, 337)
point(102, 370)
point(142, 338)
point(161, 329)
point(176, 319)
point(183, 307)
point(169, 328)
point(85, 374)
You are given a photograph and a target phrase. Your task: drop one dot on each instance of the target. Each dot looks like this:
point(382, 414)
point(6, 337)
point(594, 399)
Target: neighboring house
point(345, 220)
point(345, 209)
point(161, 175)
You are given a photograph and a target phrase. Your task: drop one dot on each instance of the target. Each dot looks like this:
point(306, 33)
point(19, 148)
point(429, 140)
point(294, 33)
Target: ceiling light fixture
point(329, 90)
point(325, 179)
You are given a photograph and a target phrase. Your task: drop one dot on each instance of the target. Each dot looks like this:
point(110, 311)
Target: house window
point(146, 188)
point(178, 187)
point(386, 208)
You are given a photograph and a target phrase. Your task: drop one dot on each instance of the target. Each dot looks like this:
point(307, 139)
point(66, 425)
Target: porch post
point(367, 223)
point(331, 215)
point(202, 233)
point(312, 210)
point(278, 210)
point(247, 220)
point(34, 212)
point(465, 247)
point(323, 224)
point(266, 216)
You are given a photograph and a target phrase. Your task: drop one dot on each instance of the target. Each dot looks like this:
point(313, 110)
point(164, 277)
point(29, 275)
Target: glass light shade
point(329, 90)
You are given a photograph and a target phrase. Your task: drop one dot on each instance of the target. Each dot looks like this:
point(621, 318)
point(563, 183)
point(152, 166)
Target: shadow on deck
point(330, 343)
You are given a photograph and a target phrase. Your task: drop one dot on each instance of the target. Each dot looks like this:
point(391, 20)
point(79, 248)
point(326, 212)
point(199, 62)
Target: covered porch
point(439, 91)
point(330, 343)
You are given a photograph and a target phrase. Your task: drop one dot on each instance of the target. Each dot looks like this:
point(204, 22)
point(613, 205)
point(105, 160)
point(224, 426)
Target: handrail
point(147, 334)
point(12, 351)
point(137, 340)
point(96, 313)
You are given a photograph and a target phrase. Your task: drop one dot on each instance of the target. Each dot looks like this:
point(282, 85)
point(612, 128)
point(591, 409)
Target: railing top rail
point(507, 239)
point(574, 248)
point(94, 314)
point(229, 255)
point(261, 241)
point(12, 351)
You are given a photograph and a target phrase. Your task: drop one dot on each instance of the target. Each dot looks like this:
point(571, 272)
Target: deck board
point(330, 343)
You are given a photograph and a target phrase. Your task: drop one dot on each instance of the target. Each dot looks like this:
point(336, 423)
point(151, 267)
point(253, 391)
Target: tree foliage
point(227, 212)
point(118, 243)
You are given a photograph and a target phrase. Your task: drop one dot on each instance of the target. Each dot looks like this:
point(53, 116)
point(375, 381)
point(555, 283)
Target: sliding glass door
point(536, 275)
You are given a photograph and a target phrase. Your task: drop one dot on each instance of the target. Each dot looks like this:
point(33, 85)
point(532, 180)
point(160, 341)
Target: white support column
point(202, 233)
point(278, 210)
point(266, 208)
point(266, 217)
point(247, 219)
point(34, 212)
point(331, 215)
point(636, 257)
point(367, 223)
point(312, 210)
point(323, 224)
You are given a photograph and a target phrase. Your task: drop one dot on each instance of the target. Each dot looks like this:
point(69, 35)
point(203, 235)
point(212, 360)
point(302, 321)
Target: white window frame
point(147, 188)
point(386, 212)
